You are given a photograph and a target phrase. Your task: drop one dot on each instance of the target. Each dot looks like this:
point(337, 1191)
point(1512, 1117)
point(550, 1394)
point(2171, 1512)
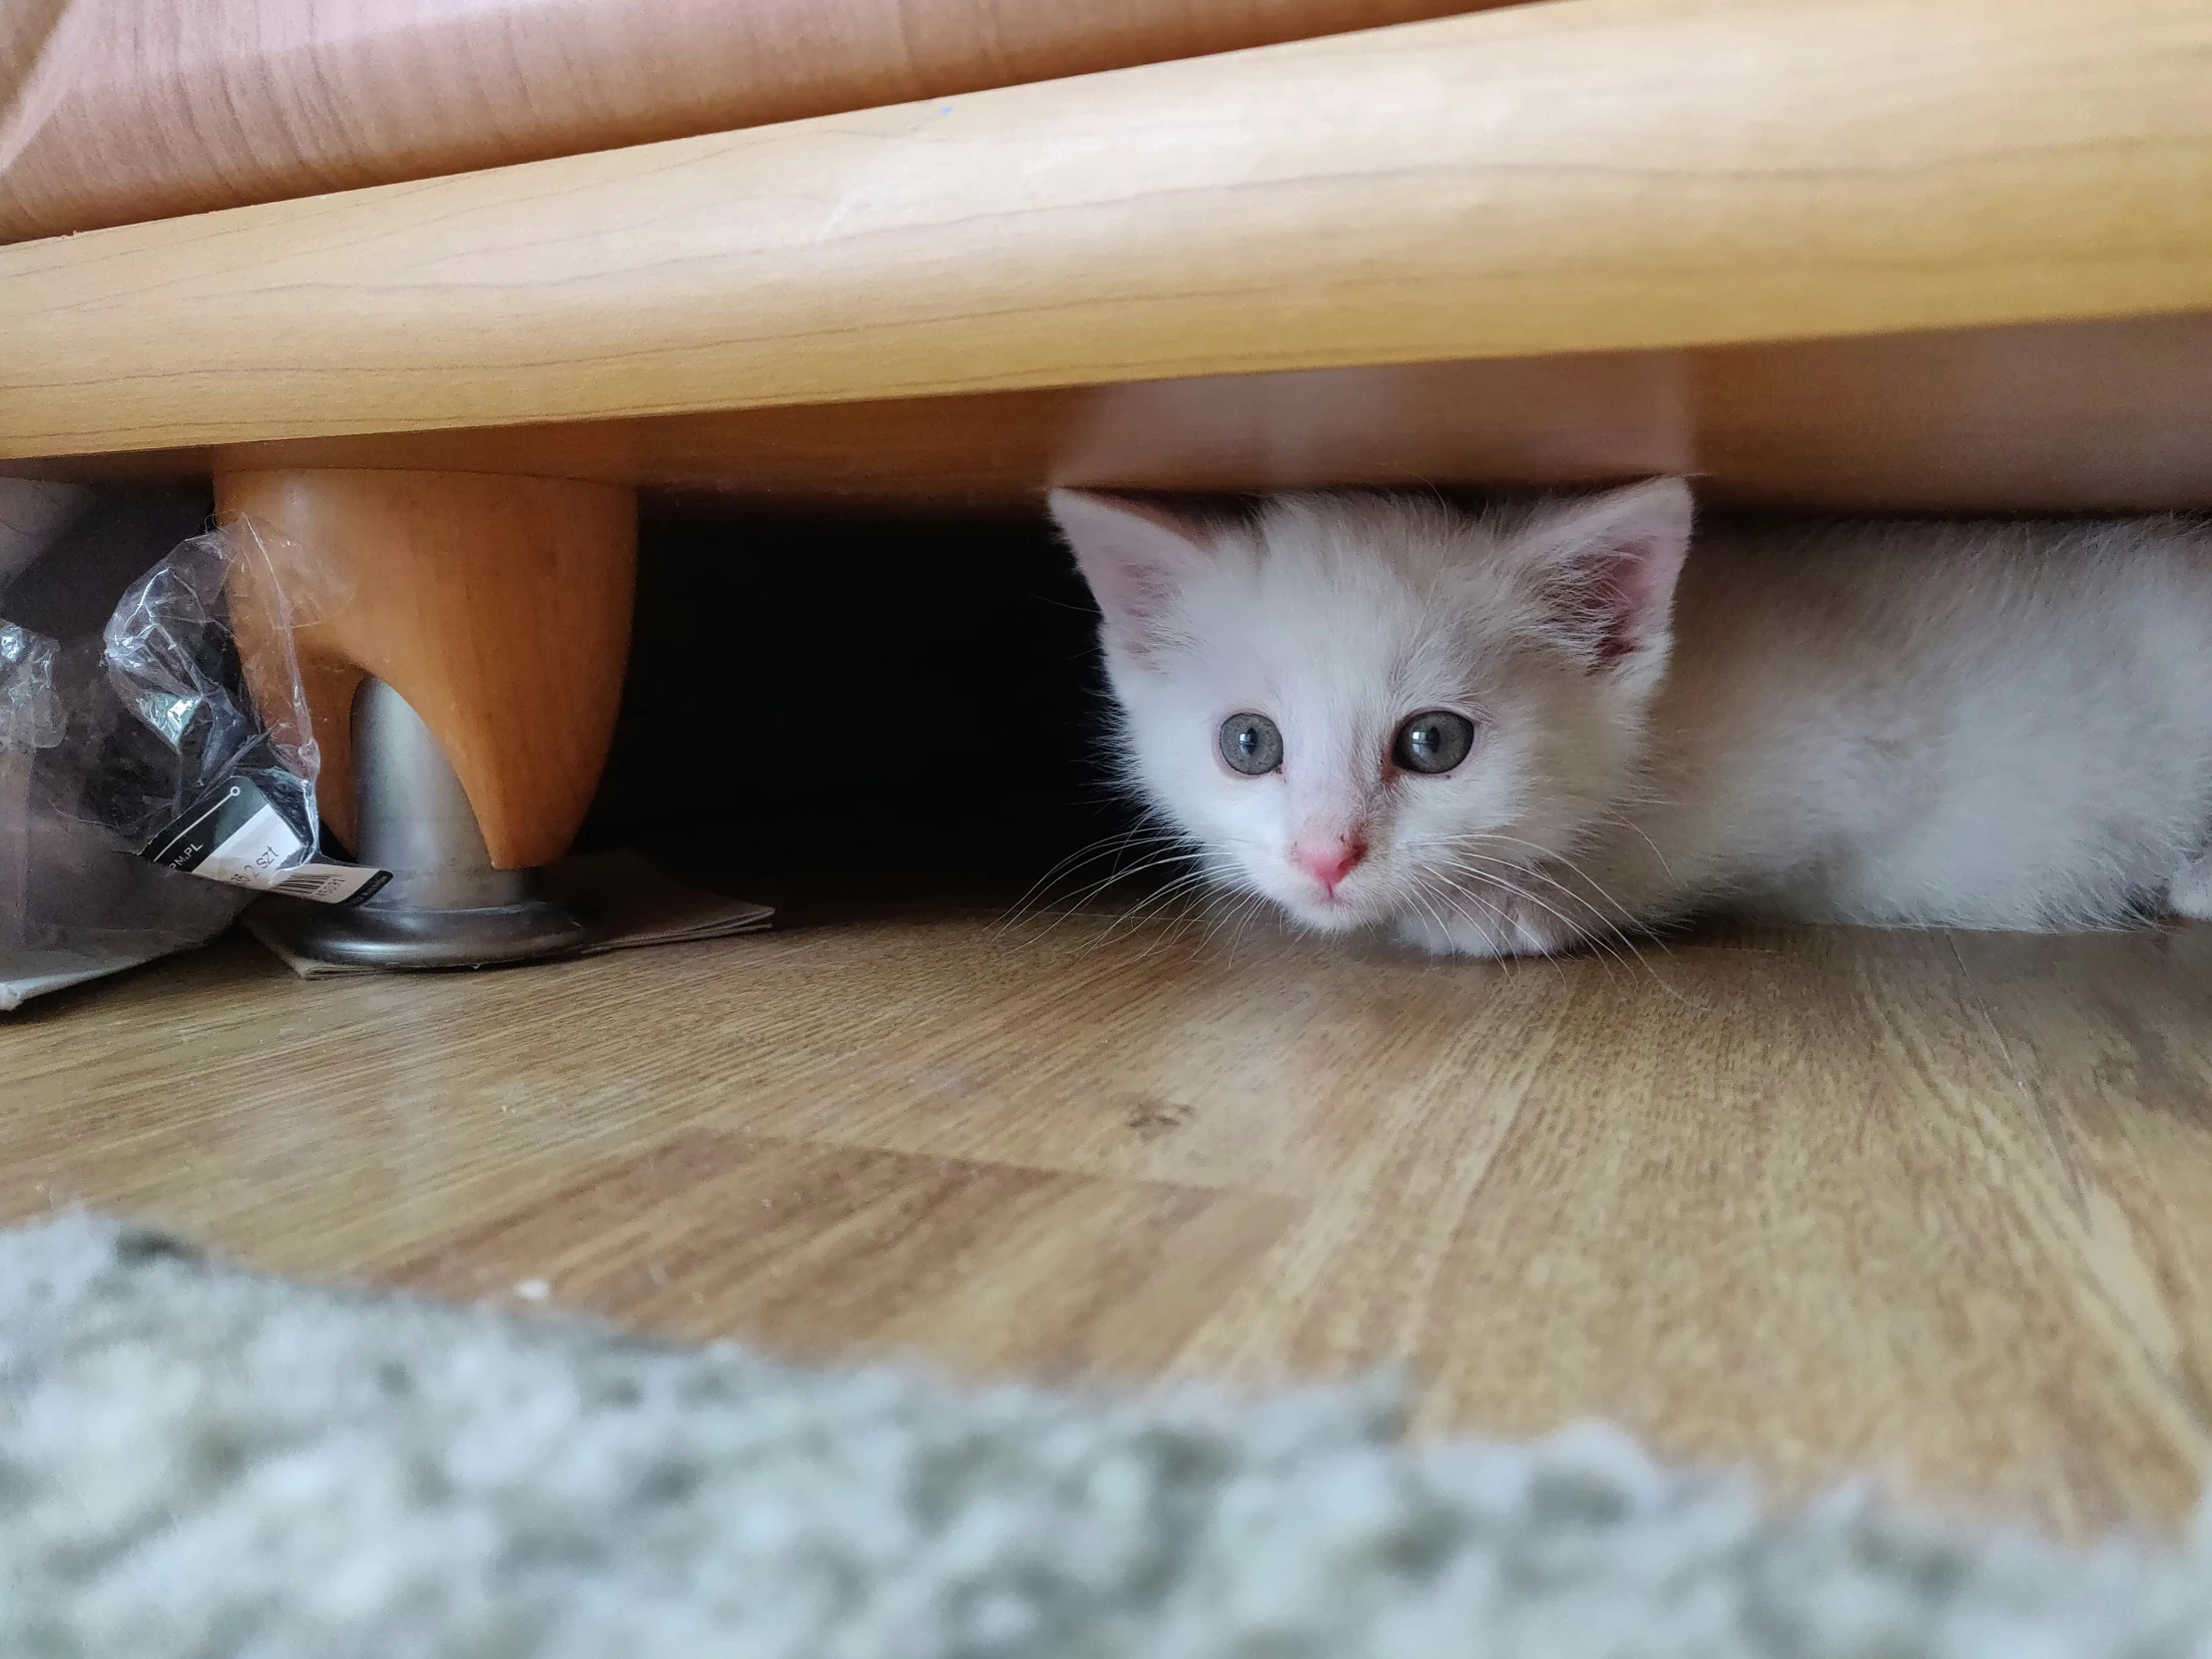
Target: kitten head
point(1357, 705)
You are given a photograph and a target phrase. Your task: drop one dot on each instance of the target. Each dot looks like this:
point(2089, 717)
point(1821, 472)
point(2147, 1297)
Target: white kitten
point(1502, 735)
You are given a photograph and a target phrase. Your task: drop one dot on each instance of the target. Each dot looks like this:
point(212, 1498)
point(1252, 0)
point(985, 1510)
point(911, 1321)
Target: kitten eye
point(1251, 744)
point(1432, 742)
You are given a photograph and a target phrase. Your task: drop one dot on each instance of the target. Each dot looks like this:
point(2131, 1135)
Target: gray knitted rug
point(200, 1461)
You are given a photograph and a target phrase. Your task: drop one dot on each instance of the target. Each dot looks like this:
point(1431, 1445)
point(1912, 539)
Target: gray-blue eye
point(1251, 744)
point(1432, 742)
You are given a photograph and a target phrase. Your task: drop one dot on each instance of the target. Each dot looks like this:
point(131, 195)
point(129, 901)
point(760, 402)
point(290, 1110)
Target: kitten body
point(1987, 725)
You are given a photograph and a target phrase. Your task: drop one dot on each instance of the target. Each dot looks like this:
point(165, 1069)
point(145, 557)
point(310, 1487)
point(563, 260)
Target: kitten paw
point(1427, 933)
point(1514, 929)
point(2189, 894)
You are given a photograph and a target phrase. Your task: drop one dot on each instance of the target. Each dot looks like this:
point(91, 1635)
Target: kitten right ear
point(1134, 556)
point(1606, 565)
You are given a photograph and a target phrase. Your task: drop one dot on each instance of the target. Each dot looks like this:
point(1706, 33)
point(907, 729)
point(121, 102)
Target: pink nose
point(1329, 863)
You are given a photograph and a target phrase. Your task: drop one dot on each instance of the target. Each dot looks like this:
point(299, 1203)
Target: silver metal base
point(445, 905)
point(374, 935)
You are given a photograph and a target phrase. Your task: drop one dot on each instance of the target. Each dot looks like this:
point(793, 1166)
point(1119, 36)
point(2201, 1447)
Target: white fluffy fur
point(1976, 724)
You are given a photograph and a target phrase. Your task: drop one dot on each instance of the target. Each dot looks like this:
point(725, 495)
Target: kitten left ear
point(1607, 565)
point(1134, 556)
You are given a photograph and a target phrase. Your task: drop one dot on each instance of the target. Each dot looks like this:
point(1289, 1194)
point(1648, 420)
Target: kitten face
point(1296, 692)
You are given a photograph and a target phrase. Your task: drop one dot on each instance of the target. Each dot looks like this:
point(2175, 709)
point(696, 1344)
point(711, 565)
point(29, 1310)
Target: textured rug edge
point(196, 1458)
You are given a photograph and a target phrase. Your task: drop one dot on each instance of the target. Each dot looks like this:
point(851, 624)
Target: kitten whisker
point(1494, 931)
point(1628, 923)
point(1161, 860)
point(1160, 899)
point(1236, 917)
point(1597, 933)
point(1611, 942)
point(1600, 939)
point(1108, 847)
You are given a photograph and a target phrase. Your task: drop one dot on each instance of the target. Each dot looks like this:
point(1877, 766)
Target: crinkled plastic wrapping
point(207, 702)
point(30, 712)
point(73, 903)
point(104, 741)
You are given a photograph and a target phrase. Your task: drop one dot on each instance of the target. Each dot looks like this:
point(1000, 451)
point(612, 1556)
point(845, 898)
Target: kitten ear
point(1134, 556)
point(1607, 564)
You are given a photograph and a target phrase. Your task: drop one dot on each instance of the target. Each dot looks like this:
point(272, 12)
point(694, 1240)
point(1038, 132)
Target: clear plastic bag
point(213, 771)
point(155, 777)
point(73, 903)
point(30, 712)
point(202, 726)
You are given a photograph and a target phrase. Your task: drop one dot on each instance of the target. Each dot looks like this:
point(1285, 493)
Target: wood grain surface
point(115, 113)
point(2113, 416)
point(1584, 176)
point(1935, 1205)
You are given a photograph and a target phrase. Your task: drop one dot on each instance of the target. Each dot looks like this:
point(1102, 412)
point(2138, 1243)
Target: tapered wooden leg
point(498, 607)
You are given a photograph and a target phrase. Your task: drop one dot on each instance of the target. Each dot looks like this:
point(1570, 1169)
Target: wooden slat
point(2111, 416)
point(1583, 175)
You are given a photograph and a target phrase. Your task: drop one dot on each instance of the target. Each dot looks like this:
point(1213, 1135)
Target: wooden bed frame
point(1856, 254)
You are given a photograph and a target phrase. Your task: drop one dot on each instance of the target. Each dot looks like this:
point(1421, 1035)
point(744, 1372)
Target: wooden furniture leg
point(497, 607)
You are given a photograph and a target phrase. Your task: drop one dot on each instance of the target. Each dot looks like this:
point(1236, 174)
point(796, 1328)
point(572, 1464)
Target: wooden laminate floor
point(1935, 1205)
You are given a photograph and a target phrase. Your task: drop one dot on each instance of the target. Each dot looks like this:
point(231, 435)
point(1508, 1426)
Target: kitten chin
point(1504, 734)
point(1342, 919)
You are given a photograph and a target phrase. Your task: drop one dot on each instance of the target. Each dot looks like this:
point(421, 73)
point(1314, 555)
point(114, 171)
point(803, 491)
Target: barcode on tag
point(322, 890)
point(331, 884)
